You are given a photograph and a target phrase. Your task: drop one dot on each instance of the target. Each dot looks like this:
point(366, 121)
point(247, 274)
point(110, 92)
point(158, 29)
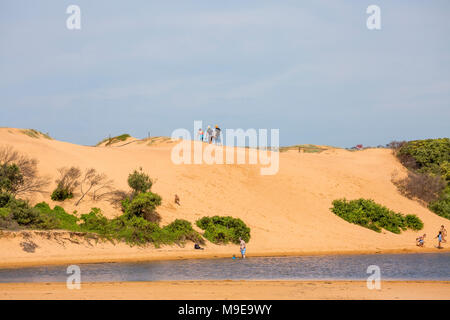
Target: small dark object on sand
point(197, 246)
point(177, 199)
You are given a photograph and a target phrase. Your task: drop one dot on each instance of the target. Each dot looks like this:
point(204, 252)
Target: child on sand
point(444, 234)
point(420, 241)
point(242, 247)
point(439, 237)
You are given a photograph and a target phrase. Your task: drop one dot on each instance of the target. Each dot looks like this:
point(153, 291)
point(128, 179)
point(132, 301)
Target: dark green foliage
point(10, 178)
point(139, 181)
point(430, 162)
point(6, 220)
point(442, 205)
point(222, 230)
point(181, 230)
point(413, 222)
point(426, 156)
point(60, 194)
point(94, 221)
point(369, 214)
point(29, 217)
point(65, 220)
point(5, 198)
point(144, 205)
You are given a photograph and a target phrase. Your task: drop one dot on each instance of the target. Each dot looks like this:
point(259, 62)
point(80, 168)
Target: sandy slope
point(224, 290)
point(287, 212)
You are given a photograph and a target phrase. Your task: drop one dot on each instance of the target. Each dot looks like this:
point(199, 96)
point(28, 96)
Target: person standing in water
point(243, 247)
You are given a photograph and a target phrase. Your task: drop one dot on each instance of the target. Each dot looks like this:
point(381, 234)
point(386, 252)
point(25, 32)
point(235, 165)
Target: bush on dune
point(144, 205)
point(369, 214)
point(67, 181)
point(222, 230)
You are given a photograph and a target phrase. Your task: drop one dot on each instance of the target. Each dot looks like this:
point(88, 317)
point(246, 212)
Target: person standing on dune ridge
point(209, 134)
point(217, 135)
point(200, 134)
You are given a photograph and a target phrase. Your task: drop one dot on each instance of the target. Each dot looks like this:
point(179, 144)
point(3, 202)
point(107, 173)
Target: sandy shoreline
point(224, 290)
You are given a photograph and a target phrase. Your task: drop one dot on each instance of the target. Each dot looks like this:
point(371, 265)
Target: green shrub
point(144, 205)
point(222, 230)
point(5, 212)
point(65, 220)
point(369, 214)
point(94, 221)
point(413, 222)
point(181, 230)
point(442, 205)
point(139, 181)
point(5, 198)
point(6, 220)
point(10, 178)
point(60, 194)
point(426, 156)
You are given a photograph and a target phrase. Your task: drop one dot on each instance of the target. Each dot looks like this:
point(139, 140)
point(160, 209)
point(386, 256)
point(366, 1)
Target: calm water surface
point(428, 266)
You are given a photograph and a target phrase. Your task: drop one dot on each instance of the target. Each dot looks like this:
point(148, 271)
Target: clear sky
point(309, 68)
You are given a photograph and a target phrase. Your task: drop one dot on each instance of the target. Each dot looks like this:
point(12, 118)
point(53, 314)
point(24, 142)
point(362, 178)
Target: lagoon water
point(427, 266)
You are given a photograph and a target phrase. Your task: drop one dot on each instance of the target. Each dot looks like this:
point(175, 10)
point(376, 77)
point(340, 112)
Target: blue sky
point(309, 68)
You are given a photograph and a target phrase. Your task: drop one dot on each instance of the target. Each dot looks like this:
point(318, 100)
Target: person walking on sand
point(217, 135)
point(444, 234)
point(243, 247)
point(209, 134)
point(420, 241)
point(177, 199)
point(439, 237)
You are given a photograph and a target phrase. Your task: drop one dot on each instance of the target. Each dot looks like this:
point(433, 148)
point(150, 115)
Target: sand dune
point(287, 212)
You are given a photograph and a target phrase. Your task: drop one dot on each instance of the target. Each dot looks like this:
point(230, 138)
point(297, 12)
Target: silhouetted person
point(177, 199)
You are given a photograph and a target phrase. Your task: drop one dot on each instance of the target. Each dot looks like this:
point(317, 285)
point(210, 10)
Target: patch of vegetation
point(139, 181)
point(19, 174)
point(371, 215)
point(143, 206)
point(307, 148)
point(222, 230)
point(429, 177)
point(66, 183)
point(442, 205)
point(35, 134)
point(110, 141)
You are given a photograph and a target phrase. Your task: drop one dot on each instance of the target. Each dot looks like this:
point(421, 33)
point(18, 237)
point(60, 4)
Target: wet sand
point(220, 290)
